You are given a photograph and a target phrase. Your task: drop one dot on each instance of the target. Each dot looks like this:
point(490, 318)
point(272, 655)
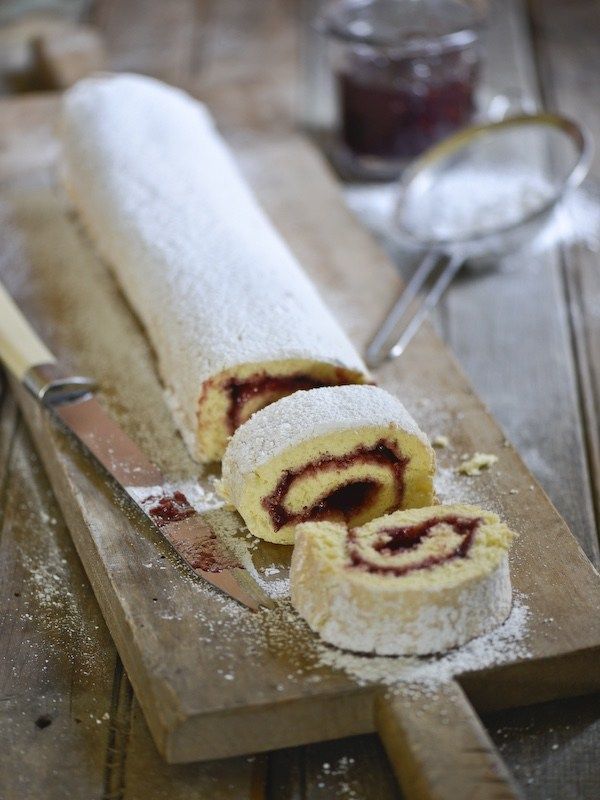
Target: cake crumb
point(440, 441)
point(476, 464)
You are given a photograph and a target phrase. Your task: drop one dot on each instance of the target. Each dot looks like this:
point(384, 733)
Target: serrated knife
point(70, 399)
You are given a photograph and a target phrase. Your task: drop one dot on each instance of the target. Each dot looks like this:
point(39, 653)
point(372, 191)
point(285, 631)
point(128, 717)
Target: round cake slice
point(413, 582)
point(345, 453)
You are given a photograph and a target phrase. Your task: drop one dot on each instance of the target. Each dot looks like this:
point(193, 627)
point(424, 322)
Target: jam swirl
point(349, 497)
point(392, 541)
point(268, 388)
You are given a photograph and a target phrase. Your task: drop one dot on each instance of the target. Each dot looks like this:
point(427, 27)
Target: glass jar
point(405, 74)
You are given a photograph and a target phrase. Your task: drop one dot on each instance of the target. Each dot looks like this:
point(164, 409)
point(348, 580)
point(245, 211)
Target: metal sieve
point(455, 205)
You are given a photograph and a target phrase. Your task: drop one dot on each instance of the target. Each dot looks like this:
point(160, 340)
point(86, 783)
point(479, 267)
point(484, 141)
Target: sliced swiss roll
point(234, 321)
point(414, 582)
point(346, 453)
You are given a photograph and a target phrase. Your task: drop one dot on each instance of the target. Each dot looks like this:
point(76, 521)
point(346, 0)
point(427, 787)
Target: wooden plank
point(355, 767)
point(239, 57)
point(510, 329)
point(568, 58)
point(552, 748)
point(256, 52)
point(57, 657)
point(464, 762)
point(146, 775)
point(270, 706)
point(66, 713)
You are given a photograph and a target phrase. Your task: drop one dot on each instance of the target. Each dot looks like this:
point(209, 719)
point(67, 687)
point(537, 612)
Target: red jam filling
point(395, 540)
point(349, 498)
point(269, 388)
point(168, 508)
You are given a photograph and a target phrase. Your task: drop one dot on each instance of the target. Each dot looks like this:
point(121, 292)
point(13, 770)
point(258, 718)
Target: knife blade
point(71, 400)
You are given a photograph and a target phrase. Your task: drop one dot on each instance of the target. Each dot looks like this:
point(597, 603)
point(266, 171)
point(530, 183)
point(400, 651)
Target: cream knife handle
point(20, 346)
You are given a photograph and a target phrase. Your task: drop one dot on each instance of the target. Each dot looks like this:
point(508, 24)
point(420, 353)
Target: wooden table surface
point(529, 340)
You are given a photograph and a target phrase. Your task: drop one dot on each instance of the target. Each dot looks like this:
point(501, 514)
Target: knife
point(71, 401)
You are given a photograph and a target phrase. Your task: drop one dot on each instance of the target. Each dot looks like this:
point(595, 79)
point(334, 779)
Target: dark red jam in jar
point(406, 72)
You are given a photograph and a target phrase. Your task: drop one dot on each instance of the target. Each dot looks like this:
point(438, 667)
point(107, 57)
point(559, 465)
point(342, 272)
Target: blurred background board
point(546, 356)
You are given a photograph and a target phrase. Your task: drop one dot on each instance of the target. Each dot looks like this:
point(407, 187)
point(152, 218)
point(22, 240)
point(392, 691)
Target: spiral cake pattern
point(347, 453)
point(414, 582)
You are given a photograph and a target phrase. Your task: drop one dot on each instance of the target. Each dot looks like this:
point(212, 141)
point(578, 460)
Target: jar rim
point(344, 21)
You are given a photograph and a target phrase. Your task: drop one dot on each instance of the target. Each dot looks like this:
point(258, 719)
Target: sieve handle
point(394, 329)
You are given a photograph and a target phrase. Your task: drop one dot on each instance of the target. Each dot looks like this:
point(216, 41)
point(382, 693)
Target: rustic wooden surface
point(163, 646)
point(550, 748)
point(464, 761)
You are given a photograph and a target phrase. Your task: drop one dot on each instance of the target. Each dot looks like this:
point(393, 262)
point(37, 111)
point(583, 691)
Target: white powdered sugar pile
point(470, 202)
point(502, 645)
point(576, 219)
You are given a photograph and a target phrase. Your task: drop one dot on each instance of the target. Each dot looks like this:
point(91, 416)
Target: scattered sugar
point(440, 441)
point(103, 339)
point(451, 487)
point(504, 644)
point(576, 220)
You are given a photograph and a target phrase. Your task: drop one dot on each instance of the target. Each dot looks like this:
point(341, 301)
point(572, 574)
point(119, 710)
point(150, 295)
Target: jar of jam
point(405, 74)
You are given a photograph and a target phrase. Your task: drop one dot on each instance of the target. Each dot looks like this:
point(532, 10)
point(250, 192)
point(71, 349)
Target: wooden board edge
point(290, 724)
point(526, 683)
point(182, 738)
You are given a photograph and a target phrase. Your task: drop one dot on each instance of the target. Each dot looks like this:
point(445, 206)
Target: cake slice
point(347, 453)
point(413, 582)
point(234, 321)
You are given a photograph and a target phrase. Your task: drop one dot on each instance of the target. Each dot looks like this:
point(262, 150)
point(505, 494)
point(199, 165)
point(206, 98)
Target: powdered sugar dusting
point(502, 645)
point(307, 415)
point(209, 277)
point(55, 276)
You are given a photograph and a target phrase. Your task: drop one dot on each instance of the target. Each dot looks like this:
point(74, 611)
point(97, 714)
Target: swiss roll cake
point(234, 322)
point(413, 582)
point(344, 453)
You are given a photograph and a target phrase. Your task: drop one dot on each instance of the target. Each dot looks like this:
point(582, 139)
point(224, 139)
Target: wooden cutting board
point(213, 679)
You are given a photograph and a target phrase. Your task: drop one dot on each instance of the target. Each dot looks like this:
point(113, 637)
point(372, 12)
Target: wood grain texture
point(568, 59)
point(464, 763)
point(69, 725)
point(553, 748)
point(163, 648)
point(510, 329)
point(527, 742)
point(354, 767)
point(57, 659)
